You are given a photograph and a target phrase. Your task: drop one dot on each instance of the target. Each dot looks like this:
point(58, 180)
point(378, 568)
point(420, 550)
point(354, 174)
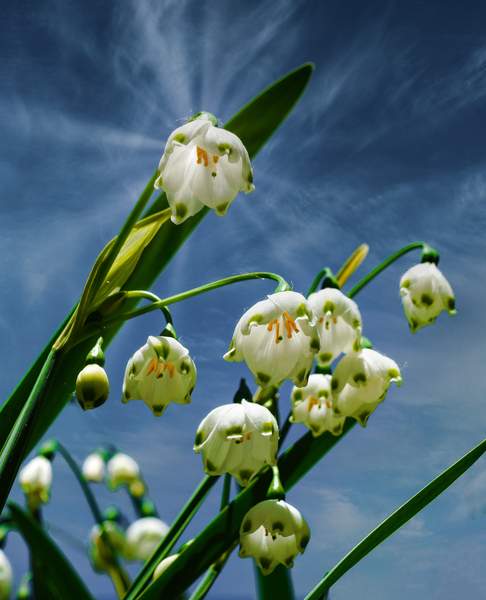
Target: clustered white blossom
point(36, 480)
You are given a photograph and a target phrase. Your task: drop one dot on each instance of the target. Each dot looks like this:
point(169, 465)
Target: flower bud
point(6, 577)
point(36, 480)
point(92, 387)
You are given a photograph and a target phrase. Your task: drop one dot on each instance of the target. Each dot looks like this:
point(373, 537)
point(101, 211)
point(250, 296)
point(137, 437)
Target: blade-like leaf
point(60, 576)
point(254, 124)
point(398, 518)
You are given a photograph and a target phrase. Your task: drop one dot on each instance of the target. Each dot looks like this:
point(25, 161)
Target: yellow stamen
point(289, 320)
point(215, 159)
point(202, 154)
point(170, 366)
point(335, 320)
point(152, 367)
point(328, 404)
point(248, 435)
point(312, 401)
point(321, 320)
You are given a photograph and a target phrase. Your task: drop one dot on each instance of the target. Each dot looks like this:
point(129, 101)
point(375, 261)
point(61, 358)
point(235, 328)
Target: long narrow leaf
point(58, 572)
point(398, 518)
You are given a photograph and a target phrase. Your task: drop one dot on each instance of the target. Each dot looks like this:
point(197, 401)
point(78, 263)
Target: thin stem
point(377, 270)
point(285, 429)
point(119, 577)
point(226, 491)
point(153, 298)
point(14, 450)
point(114, 321)
point(316, 281)
point(173, 534)
point(211, 575)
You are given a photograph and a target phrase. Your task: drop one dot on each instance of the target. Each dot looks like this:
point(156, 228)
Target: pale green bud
point(92, 387)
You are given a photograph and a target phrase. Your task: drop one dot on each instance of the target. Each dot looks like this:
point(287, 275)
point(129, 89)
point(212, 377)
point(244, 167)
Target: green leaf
point(60, 577)
point(398, 518)
point(254, 124)
point(277, 584)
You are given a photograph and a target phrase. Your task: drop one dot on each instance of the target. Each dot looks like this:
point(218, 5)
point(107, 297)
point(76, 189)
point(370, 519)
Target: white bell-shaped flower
point(312, 406)
point(123, 470)
point(143, 536)
point(273, 532)
point(238, 439)
point(6, 576)
point(94, 467)
point(159, 373)
point(203, 165)
point(359, 383)
point(425, 293)
point(338, 322)
point(278, 339)
point(36, 480)
point(100, 553)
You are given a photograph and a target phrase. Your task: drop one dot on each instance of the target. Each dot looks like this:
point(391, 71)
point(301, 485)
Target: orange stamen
point(289, 320)
point(270, 325)
point(215, 159)
point(248, 435)
point(328, 404)
point(335, 320)
point(152, 366)
point(202, 154)
point(277, 331)
point(321, 320)
point(312, 401)
point(170, 366)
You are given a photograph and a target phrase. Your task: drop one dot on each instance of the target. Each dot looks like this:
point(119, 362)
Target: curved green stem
point(282, 286)
point(173, 534)
point(153, 298)
point(118, 575)
point(377, 270)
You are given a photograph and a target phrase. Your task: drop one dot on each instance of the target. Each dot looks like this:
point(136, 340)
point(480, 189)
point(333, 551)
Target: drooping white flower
point(203, 165)
point(94, 467)
point(6, 577)
point(312, 406)
point(278, 339)
point(425, 293)
point(122, 469)
point(36, 480)
point(159, 373)
point(273, 532)
point(339, 323)
point(238, 439)
point(359, 383)
point(143, 536)
point(101, 553)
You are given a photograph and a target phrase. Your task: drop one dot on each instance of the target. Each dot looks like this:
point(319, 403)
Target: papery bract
point(122, 469)
point(339, 323)
point(359, 383)
point(312, 406)
point(273, 532)
point(278, 339)
point(238, 439)
point(203, 165)
point(425, 293)
point(36, 480)
point(143, 536)
point(159, 373)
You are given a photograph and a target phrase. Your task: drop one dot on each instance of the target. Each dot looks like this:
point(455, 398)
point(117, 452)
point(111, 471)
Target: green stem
point(14, 450)
point(173, 534)
point(205, 585)
point(283, 285)
point(377, 270)
point(285, 429)
point(119, 577)
point(226, 491)
point(153, 298)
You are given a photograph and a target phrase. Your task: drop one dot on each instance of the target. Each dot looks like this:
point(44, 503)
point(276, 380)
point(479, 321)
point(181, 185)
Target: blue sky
point(386, 147)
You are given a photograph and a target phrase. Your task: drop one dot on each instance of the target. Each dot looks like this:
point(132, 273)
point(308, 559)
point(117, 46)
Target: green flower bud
point(92, 387)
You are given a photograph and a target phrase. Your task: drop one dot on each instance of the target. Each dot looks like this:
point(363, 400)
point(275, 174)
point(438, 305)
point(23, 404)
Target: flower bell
point(6, 577)
point(237, 439)
point(159, 373)
point(273, 532)
point(312, 406)
point(359, 383)
point(143, 536)
point(338, 322)
point(278, 339)
point(92, 385)
point(425, 293)
point(36, 480)
point(122, 469)
point(94, 467)
point(203, 165)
